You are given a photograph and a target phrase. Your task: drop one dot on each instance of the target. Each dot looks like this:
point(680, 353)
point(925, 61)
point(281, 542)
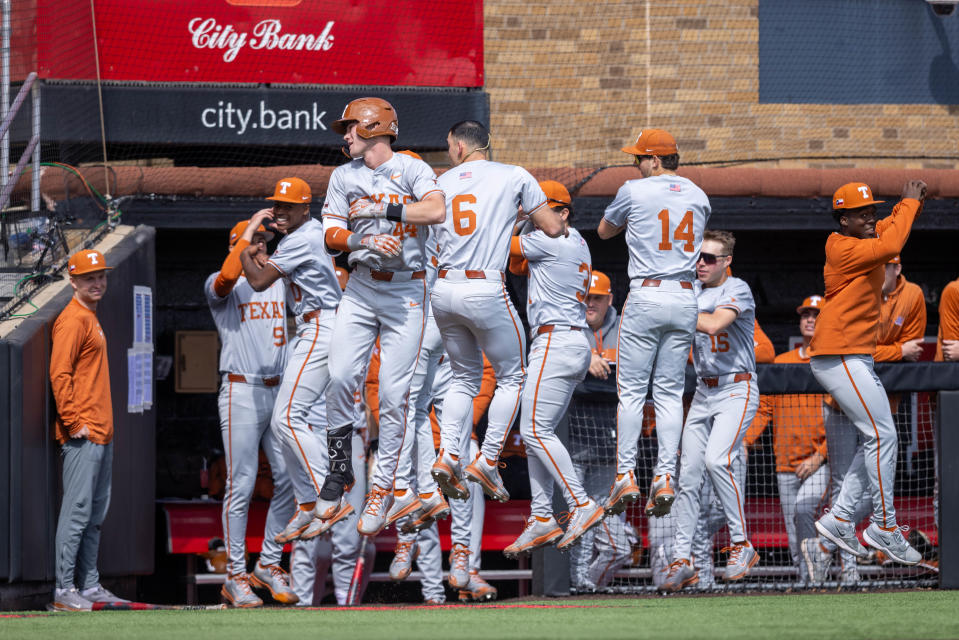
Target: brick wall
point(572, 81)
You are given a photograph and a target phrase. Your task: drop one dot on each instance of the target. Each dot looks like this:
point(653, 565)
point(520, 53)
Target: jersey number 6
point(684, 231)
point(464, 220)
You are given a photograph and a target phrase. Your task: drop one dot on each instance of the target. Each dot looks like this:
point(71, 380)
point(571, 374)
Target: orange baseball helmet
point(653, 142)
point(853, 196)
point(373, 116)
point(812, 302)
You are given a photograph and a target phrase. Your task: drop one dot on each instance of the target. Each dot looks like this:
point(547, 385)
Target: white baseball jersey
point(252, 327)
point(731, 350)
point(665, 217)
point(482, 199)
point(559, 276)
point(400, 180)
point(307, 267)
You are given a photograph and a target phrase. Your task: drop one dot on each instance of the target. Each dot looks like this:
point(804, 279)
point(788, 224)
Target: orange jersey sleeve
point(948, 316)
point(373, 383)
point(853, 277)
point(231, 270)
point(765, 353)
point(762, 419)
point(902, 317)
point(518, 265)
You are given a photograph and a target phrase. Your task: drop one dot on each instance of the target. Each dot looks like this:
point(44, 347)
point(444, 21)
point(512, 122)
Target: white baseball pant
point(396, 312)
point(304, 381)
point(558, 361)
point(476, 317)
point(712, 438)
point(339, 548)
point(657, 327)
point(245, 412)
point(419, 452)
point(801, 502)
point(853, 383)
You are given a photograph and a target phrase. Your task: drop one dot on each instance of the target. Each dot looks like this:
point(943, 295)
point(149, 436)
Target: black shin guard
point(339, 443)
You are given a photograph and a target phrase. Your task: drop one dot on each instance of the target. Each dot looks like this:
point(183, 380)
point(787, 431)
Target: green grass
point(912, 614)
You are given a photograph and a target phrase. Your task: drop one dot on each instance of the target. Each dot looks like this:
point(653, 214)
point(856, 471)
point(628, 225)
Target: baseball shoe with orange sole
point(403, 556)
point(433, 507)
point(661, 496)
point(459, 577)
point(276, 581)
point(482, 472)
point(237, 592)
point(446, 473)
point(583, 519)
point(538, 533)
point(478, 590)
point(681, 574)
point(319, 526)
point(741, 559)
point(405, 502)
point(373, 518)
point(296, 526)
point(623, 492)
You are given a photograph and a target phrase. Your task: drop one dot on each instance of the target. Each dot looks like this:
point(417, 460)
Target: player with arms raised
point(375, 207)
point(664, 216)
point(841, 358)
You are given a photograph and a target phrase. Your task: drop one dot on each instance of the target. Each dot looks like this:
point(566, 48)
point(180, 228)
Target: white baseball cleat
point(237, 592)
point(583, 519)
point(478, 590)
point(661, 496)
point(326, 509)
point(817, 560)
point(681, 574)
point(487, 476)
point(892, 543)
point(446, 473)
point(69, 600)
point(403, 557)
point(405, 502)
point(433, 507)
point(319, 526)
point(536, 534)
point(373, 518)
point(622, 493)
point(273, 578)
point(842, 534)
point(297, 525)
point(97, 593)
point(741, 559)
point(459, 566)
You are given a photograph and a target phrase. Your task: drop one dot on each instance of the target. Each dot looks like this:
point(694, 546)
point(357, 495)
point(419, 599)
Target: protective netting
point(632, 552)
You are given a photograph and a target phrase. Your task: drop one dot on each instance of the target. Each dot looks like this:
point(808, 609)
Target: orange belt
point(387, 276)
point(548, 328)
point(739, 377)
point(470, 273)
point(309, 315)
point(270, 381)
point(652, 282)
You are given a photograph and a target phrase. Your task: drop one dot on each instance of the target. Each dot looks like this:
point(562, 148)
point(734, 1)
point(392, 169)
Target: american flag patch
point(899, 321)
point(675, 187)
point(466, 175)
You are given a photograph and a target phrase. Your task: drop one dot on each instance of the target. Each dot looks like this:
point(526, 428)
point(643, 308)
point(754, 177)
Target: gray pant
point(87, 473)
point(801, 502)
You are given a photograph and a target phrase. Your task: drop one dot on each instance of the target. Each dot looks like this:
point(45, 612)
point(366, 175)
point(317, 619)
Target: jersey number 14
point(682, 233)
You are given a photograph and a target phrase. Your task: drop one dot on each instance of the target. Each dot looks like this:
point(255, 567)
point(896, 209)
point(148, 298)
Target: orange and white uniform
point(948, 316)
point(902, 317)
point(844, 343)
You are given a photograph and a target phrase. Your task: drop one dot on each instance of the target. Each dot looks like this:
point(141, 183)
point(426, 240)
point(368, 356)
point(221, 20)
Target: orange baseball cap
point(292, 190)
point(556, 194)
point(853, 196)
point(653, 142)
point(342, 276)
point(86, 261)
point(412, 154)
point(599, 284)
point(237, 231)
point(812, 302)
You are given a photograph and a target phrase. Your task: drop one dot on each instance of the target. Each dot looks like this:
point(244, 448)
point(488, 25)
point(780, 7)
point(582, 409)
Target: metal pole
point(5, 91)
point(35, 176)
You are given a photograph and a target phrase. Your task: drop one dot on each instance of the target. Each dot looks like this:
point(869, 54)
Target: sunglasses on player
point(709, 258)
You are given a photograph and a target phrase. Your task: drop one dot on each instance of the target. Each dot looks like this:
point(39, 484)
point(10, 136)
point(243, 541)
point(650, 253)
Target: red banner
point(330, 42)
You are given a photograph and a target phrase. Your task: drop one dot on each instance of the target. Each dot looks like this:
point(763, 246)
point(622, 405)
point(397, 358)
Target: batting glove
point(383, 244)
point(366, 209)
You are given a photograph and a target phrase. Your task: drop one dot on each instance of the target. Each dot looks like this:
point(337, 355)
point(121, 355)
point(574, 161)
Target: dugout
point(29, 461)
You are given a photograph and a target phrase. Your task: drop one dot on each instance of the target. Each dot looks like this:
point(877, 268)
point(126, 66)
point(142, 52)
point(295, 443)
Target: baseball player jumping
point(560, 355)
point(252, 328)
point(724, 404)
point(376, 207)
point(841, 358)
point(664, 216)
point(471, 305)
point(312, 293)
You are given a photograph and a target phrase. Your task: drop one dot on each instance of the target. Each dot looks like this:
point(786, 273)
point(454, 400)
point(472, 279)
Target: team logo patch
point(466, 175)
point(675, 187)
point(396, 176)
point(839, 202)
